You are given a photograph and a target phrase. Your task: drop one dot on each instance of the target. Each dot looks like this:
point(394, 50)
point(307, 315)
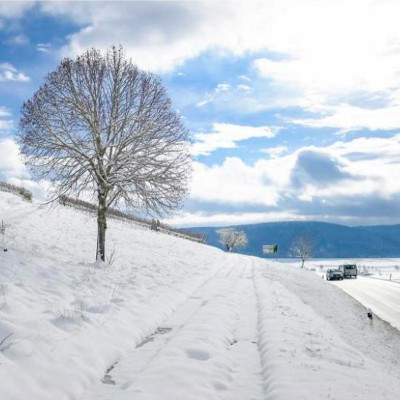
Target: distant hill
point(332, 240)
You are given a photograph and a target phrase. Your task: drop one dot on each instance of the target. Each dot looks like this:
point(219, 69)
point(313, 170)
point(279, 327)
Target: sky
point(293, 106)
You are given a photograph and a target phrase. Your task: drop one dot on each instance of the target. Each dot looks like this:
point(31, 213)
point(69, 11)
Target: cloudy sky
point(293, 105)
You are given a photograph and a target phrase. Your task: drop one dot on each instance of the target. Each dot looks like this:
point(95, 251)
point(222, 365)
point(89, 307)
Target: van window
point(350, 266)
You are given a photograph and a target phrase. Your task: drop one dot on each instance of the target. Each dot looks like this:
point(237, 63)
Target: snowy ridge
point(171, 319)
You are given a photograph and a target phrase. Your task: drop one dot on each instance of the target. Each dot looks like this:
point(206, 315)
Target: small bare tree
point(101, 126)
point(303, 248)
point(232, 238)
point(2, 235)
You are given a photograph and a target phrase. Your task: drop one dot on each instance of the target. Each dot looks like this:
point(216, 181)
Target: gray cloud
point(319, 169)
point(346, 209)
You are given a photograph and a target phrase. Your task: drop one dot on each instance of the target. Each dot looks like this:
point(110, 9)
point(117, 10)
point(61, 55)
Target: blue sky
point(293, 106)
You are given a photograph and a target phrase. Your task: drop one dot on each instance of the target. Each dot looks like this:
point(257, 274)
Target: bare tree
point(303, 248)
point(99, 125)
point(232, 238)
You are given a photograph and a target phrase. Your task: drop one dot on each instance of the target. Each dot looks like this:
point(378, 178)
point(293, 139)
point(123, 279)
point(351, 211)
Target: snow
point(382, 297)
point(174, 319)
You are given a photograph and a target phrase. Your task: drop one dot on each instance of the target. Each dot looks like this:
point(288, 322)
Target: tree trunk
point(302, 262)
point(101, 228)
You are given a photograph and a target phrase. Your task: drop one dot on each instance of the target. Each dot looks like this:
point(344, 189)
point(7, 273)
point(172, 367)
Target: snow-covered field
point(172, 319)
point(378, 268)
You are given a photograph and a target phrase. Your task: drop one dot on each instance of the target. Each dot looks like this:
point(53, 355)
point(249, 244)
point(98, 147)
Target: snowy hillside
point(171, 319)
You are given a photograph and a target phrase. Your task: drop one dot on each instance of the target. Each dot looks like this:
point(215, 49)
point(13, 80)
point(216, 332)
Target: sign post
point(270, 248)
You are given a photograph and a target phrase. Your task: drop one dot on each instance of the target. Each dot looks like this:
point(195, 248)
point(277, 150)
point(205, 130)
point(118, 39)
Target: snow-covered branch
point(100, 124)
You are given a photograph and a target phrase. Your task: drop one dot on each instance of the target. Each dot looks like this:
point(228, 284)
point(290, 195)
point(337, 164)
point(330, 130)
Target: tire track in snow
point(263, 345)
point(196, 354)
point(248, 378)
point(187, 311)
point(150, 346)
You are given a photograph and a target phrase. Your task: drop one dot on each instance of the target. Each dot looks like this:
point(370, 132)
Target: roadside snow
point(382, 297)
point(173, 319)
point(325, 345)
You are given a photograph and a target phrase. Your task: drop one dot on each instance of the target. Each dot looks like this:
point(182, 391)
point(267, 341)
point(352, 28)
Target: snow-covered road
point(382, 297)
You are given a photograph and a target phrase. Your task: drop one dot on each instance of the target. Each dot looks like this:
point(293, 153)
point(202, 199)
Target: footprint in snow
point(150, 338)
point(198, 354)
point(220, 386)
point(107, 380)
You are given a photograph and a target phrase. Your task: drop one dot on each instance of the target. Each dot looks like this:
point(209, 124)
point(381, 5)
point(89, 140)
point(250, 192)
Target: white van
point(348, 270)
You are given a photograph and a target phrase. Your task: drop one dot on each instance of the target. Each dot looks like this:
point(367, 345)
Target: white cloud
point(225, 136)
point(222, 87)
point(361, 174)
point(349, 118)
point(220, 91)
point(343, 28)
point(204, 102)
point(4, 112)
point(347, 55)
point(43, 47)
point(245, 88)
point(14, 171)
point(227, 219)
point(244, 78)
point(5, 125)
point(14, 9)
point(8, 73)
point(275, 152)
point(19, 40)
point(11, 165)
point(232, 182)
point(158, 35)
point(324, 56)
point(6, 122)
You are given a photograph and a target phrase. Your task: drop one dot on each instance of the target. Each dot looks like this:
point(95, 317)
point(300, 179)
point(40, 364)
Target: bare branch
point(303, 248)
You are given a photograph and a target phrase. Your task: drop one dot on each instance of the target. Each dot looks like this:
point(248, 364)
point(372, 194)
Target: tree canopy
point(232, 238)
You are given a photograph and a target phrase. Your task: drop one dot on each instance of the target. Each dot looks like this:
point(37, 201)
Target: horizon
point(285, 222)
point(292, 107)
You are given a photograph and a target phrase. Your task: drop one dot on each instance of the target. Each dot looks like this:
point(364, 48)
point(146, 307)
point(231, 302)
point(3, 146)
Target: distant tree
point(232, 238)
point(303, 248)
point(101, 126)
